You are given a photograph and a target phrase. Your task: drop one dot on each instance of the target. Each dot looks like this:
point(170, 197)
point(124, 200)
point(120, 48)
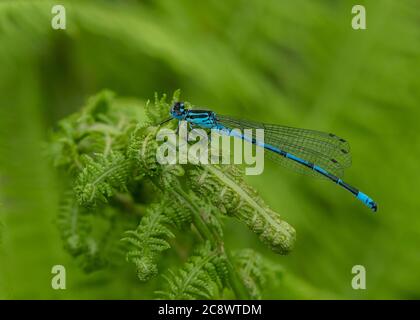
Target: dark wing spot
point(333, 160)
point(344, 151)
point(342, 140)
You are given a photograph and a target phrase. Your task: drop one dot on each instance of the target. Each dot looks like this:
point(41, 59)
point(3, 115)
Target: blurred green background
point(297, 63)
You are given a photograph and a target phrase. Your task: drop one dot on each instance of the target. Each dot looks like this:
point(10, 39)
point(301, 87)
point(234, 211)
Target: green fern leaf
point(202, 277)
point(74, 224)
point(101, 178)
point(252, 270)
point(159, 111)
point(224, 187)
point(148, 241)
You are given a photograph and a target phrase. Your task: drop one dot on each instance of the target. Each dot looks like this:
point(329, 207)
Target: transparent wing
point(326, 150)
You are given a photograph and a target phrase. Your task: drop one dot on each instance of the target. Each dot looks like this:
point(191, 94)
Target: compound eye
point(175, 107)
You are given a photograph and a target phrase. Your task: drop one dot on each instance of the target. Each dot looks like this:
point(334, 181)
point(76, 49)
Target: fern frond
point(159, 111)
point(102, 126)
point(202, 277)
point(175, 210)
point(112, 250)
point(92, 236)
point(74, 225)
point(142, 151)
point(97, 107)
point(252, 271)
point(224, 188)
point(63, 149)
point(114, 156)
point(148, 241)
point(101, 177)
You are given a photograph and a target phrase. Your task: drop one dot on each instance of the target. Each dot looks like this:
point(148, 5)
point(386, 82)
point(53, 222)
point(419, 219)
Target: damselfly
point(307, 151)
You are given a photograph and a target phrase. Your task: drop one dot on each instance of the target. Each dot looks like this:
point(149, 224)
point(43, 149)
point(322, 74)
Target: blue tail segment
point(359, 195)
point(367, 201)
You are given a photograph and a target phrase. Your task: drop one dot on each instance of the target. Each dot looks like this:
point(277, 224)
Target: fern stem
point(236, 284)
point(197, 220)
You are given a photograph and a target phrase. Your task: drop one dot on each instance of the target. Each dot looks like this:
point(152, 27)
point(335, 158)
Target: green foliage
point(148, 241)
point(74, 224)
point(108, 168)
point(99, 172)
point(226, 189)
point(157, 115)
point(203, 276)
point(101, 177)
point(252, 270)
point(91, 235)
point(306, 67)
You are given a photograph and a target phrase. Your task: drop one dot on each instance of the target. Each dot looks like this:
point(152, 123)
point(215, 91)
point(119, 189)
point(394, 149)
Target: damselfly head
point(178, 110)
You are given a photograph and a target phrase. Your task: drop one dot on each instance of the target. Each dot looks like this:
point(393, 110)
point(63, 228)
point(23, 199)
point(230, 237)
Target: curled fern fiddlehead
point(148, 241)
point(225, 188)
point(142, 151)
point(75, 226)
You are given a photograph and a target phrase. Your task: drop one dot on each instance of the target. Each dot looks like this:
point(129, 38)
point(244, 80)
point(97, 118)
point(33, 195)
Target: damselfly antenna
point(167, 120)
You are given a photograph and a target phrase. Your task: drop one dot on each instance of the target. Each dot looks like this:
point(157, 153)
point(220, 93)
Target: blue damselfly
point(307, 151)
